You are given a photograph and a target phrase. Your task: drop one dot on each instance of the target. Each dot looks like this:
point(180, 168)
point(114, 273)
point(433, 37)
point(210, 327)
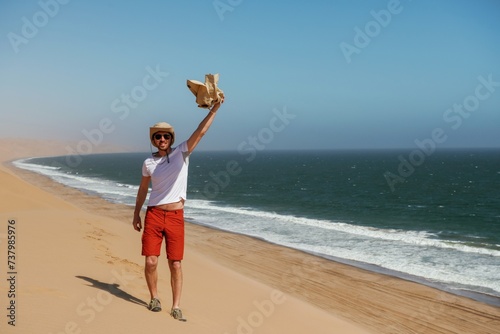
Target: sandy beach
point(74, 266)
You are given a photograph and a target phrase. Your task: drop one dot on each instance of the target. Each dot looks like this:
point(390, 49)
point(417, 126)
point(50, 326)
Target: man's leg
point(176, 282)
point(152, 275)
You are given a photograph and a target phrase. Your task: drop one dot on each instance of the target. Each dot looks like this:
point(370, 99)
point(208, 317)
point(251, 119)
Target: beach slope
point(77, 268)
point(74, 266)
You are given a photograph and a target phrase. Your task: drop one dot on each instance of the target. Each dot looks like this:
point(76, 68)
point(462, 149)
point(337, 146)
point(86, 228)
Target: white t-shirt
point(168, 178)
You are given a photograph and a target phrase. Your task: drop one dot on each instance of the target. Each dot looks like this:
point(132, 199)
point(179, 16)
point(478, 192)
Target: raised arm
point(195, 138)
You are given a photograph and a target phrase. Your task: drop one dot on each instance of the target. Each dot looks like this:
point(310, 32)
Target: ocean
point(433, 218)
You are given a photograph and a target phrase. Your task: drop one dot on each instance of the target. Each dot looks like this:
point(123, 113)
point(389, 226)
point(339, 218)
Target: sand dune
point(78, 269)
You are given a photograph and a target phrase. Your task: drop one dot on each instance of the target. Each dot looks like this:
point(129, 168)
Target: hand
point(217, 105)
point(137, 223)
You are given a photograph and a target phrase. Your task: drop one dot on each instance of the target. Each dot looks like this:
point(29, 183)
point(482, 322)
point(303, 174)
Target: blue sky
point(297, 75)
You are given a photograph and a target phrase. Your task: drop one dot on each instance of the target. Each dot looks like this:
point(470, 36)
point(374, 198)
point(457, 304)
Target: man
point(167, 170)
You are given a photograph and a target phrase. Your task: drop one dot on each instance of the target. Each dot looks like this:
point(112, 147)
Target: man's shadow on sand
point(114, 289)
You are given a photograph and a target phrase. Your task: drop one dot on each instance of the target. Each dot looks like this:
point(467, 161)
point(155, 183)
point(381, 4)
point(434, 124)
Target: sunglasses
point(166, 136)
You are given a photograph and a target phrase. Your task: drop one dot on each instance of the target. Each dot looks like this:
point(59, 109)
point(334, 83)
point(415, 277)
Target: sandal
point(176, 313)
point(154, 305)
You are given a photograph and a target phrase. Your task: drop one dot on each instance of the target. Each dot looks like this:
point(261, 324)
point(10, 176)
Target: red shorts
point(159, 224)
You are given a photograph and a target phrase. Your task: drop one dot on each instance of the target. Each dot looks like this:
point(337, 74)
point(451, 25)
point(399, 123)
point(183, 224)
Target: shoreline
point(369, 299)
point(465, 293)
point(79, 270)
point(462, 291)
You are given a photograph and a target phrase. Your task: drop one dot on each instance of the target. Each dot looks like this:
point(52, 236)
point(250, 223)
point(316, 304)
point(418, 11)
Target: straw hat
point(207, 94)
point(161, 126)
